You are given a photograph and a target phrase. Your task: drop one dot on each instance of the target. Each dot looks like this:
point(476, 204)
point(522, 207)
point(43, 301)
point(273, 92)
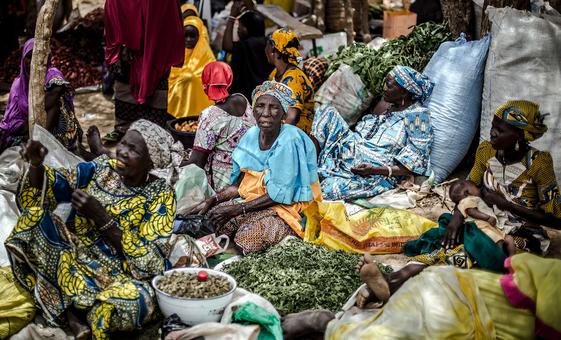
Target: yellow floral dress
point(303, 91)
point(70, 264)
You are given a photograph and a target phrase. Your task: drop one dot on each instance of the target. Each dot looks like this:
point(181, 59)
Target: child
point(467, 197)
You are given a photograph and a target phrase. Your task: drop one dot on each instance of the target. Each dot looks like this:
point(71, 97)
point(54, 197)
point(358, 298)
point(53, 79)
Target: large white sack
point(525, 63)
point(455, 104)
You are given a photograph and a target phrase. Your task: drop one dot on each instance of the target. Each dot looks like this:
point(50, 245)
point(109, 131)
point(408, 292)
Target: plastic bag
point(191, 189)
point(374, 231)
point(16, 305)
point(524, 63)
point(270, 324)
point(195, 226)
point(455, 104)
point(185, 252)
point(171, 324)
point(346, 92)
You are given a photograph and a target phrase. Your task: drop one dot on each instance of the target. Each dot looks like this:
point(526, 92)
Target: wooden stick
point(41, 50)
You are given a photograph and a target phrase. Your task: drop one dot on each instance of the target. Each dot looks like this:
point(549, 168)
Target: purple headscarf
point(17, 110)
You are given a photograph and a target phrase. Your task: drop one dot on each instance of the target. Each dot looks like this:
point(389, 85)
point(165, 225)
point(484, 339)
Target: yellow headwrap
point(186, 96)
point(286, 42)
point(186, 7)
point(524, 115)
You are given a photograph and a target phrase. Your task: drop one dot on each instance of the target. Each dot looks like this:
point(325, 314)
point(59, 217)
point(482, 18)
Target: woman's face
point(27, 61)
point(133, 160)
point(503, 135)
point(268, 113)
point(191, 37)
point(393, 93)
point(269, 52)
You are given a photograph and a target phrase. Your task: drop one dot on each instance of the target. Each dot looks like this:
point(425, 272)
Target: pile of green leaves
point(372, 66)
point(296, 276)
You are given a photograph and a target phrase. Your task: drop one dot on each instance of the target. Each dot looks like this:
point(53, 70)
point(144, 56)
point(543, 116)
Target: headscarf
point(164, 152)
point(217, 79)
point(17, 109)
point(254, 23)
point(150, 29)
point(286, 43)
point(278, 90)
point(187, 7)
point(416, 83)
point(186, 96)
point(524, 115)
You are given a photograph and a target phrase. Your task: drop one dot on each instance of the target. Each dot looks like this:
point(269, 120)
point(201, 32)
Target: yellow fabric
point(474, 202)
point(186, 7)
point(524, 115)
point(253, 186)
point(186, 96)
point(535, 188)
point(16, 305)
point(539, 280)
point(375, 231)
point(303, 93)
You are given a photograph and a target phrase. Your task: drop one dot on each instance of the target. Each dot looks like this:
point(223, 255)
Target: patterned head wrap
point(286, 42)
point(524, 115)
point(280, 91)
point(414, 82)
point(164, 152)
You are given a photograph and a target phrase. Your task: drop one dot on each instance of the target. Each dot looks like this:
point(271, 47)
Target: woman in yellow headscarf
point(186, 94)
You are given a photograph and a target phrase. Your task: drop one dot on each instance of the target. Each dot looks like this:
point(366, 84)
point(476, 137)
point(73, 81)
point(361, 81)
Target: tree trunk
point(349, 24)
point(518, 4)
point(41, 50)
point(459, 14)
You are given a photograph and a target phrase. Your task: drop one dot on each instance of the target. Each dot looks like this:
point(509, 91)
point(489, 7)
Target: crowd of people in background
point(268, 153)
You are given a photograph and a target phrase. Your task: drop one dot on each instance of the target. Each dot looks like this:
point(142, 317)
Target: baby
point(467, 197)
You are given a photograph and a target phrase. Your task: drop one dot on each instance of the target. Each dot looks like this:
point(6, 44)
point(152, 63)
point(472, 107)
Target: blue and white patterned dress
point(399, 138)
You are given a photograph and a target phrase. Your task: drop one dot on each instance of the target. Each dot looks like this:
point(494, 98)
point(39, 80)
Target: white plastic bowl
point(194, 311)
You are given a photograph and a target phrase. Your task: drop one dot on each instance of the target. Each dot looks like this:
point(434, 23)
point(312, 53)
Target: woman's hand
point(223, 214)
point(34, 152)
point(237, 8)
point(494, 198)
point(452, 235)
point(364, 170)
point(89, 207)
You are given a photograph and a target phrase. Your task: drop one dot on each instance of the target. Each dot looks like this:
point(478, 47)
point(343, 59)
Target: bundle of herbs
point(295, 276)
point(372, 66)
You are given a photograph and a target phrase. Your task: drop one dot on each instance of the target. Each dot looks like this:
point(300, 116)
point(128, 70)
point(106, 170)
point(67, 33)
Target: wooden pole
point(41, 50)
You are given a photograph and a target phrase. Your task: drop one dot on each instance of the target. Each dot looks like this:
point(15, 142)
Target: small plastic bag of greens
point(191, 188)
point(252, 314)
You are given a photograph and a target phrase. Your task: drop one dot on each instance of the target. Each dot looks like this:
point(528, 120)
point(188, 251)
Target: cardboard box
point(398, 23)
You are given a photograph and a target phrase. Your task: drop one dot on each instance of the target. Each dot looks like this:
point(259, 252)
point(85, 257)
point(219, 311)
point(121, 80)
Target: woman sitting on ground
point(221, 126)
point(516, 178)
point(274, 174)
point(385, 146)
point(96, 266)
point(61, 120)
point(186, 95)
point(282, 52)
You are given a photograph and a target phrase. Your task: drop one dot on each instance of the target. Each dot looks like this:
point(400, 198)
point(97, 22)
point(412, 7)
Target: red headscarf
point(217, 79)
point(153, 31)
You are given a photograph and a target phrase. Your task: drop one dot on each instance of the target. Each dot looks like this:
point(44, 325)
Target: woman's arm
point(223, 214)
point(228, 38)
point(365, 170)
point(198, 158)
point(292, 116)
point(52, 106)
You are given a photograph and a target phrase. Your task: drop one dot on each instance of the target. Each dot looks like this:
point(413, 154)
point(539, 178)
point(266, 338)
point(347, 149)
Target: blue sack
point(455, 104)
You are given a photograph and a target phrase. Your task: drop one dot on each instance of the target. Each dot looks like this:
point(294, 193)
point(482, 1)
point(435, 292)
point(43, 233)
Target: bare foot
point(375, 280)
point(94, 141)
point(80, 330)
point(364, 296)
point(298, 325)
point(509, 246)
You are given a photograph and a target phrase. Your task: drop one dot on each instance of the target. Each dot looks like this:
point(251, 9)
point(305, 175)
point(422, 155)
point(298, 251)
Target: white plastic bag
point(525, 63)
point(346, 92)
point(191, 189)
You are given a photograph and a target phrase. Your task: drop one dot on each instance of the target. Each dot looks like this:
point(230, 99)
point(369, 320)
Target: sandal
point(113, 137)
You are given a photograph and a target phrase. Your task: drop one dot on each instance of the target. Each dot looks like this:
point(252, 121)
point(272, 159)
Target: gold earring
point(516, 146)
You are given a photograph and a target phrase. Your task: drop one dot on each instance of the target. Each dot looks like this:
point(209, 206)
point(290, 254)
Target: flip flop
point(113, 137)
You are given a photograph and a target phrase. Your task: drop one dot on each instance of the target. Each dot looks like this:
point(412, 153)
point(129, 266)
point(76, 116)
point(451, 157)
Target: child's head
point(462, 189)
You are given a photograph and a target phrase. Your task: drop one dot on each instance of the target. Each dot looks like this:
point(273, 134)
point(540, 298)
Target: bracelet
point(243, 208)
point(232, 18)
point(107, 225)
point(390, 171)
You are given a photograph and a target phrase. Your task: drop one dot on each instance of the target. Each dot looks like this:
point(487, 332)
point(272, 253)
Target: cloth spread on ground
point(186, 94)
point(374, 231)
point(481, 250)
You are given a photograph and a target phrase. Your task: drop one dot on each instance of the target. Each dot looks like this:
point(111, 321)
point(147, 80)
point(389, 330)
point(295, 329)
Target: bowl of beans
point(196, 295)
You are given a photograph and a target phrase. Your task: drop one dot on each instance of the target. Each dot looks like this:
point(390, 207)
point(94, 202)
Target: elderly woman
point(98, 263)
point(282, 52)
point(274, 175)
point(221, 126)
point(383, 147)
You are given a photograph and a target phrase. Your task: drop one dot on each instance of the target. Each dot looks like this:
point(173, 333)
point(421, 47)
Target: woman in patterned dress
point(98, 263)
point(221, 126)
point(383, 147)
point(274, 177)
